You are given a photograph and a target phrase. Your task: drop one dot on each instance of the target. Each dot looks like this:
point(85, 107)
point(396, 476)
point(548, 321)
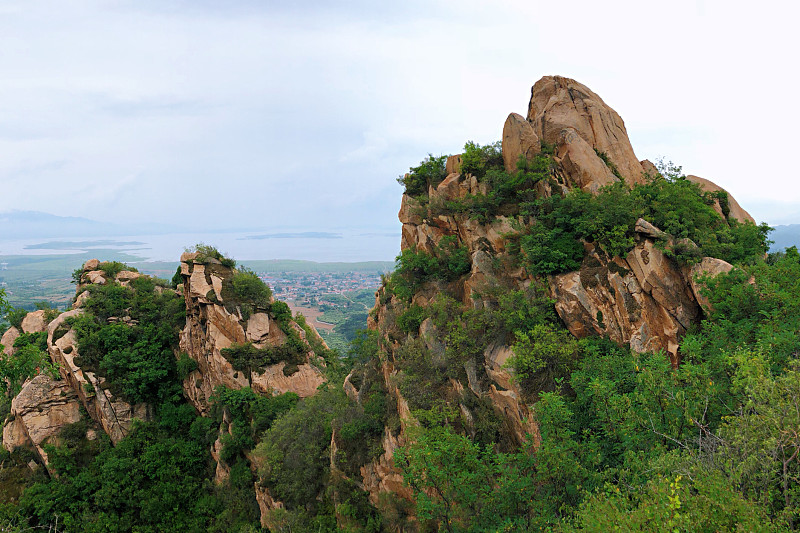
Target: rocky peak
point(219, 319)
point(644, 299)
point(568, 114)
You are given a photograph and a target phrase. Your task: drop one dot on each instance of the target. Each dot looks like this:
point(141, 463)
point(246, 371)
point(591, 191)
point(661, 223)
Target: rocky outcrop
point(709, 267)
point(45, 405)
point(39, 412)
point(734, 210)
point(560, 104)
point(214, 321)
point(34, 322)
point(7, 341)
point(645, 299)
point(114, 414)
point(519, 140)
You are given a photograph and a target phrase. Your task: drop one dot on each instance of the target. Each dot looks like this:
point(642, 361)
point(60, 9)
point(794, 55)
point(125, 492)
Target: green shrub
point(250, 414)
point(249, 288)
point(430, 172)
point(177, 279)
point(415, 268)
point(552, 243)
point(281, 312)
point(206, 252)
point(185, 365)
point(247, 358)
point(16, 316)
point(295, 450)
point(28, 361)
point(542, 355)
point(411, 318)
point(477, 159)
point(137, 360)
point(112, 268)
point(38, 340)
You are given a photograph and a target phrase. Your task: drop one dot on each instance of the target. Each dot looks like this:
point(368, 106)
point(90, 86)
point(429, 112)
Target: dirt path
point(312, 315)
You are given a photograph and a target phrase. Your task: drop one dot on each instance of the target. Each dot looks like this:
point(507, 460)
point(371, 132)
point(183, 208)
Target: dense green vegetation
point(678, 207)
point(629, 442)
point(129, 335)
point(551, 241)
point(449, 261)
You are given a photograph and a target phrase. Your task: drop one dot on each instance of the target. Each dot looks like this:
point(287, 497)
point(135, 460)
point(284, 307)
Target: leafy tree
point(294, 453)
point(477, 159)
point(430, 172)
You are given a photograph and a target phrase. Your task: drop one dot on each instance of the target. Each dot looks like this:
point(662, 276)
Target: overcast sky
point(270, 114)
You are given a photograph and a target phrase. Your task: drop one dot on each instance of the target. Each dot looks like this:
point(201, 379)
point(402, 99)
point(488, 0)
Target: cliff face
point(215, 321)
point(45, 405)
point(645, 299)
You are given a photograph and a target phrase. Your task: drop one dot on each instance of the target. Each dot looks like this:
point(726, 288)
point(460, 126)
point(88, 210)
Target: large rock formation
point(39, 413)
point(45, 405)
point(645, 299)
point(215, 322)
point(735, 211)
point(561, 106)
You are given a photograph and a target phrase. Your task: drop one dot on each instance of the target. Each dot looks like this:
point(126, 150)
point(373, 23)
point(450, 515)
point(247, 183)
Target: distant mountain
point(785, 236)
point(35, 224)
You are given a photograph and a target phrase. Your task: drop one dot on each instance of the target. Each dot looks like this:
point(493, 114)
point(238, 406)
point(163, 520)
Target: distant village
point(312, 288)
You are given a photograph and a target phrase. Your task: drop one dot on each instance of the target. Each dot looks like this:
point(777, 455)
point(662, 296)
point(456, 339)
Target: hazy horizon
point(267, 115)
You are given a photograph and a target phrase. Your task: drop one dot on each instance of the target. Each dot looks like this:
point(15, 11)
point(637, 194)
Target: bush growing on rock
point(206, 252)
point(129, 335)
point(249, 288)
point(430, 172)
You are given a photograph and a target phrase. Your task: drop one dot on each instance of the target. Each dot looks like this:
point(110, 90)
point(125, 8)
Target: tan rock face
point(736, 211)
point(267, 504)
point(559, 103)
point(126, 276)
point(211, 327)
point(581, 164)
point(710, 267)
point(453, 164)
point(96, 277)
point(519, 139)
point(11, 335)
point(409, 211)
point(41, 410)
point(644, 300)
point(34, 322)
